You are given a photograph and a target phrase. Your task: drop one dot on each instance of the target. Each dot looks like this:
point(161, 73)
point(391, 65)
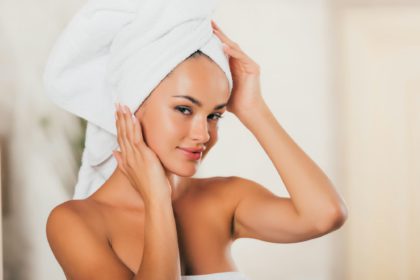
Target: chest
point(203, 230)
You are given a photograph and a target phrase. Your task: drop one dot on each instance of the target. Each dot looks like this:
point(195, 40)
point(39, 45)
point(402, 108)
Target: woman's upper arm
point(82, 253)
point(262, 215)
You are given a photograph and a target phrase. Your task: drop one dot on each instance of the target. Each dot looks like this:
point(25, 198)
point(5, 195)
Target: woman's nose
point(200, 131)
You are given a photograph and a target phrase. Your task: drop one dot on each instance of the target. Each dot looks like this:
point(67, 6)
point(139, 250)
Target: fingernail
point(133, 118)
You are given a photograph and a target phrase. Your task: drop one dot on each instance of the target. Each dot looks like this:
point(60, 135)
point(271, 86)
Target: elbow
point(334, 220)
point(339, 217)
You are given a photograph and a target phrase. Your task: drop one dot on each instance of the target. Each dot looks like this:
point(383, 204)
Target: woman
point(152, 220)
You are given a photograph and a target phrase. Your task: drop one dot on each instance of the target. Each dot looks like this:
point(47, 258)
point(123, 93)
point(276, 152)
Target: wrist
point(157, 201)
point(252, 113)
point(156, 197)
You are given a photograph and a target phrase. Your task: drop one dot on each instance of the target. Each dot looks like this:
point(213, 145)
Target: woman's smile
point(191, 155)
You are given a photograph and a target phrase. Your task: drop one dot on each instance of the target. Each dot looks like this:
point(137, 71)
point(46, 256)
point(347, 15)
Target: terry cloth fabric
point(231, 275)
point(118, 51)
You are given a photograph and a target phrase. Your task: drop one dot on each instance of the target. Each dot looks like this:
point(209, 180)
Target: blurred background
point(343, 79)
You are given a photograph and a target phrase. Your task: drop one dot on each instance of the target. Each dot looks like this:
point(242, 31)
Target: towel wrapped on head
point(119, 51)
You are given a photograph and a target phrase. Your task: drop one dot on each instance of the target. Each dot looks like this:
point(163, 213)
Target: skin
point(152, 224)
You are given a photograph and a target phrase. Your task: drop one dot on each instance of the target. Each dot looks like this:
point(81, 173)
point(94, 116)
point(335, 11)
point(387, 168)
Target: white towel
point(119, 51)
point(231, 275)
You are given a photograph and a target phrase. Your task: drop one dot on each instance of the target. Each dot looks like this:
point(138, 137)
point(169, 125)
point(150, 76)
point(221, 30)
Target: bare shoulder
point(81, 212)
point(232, 187)
point(76, 236)
point(215, 186)
point(229, 191)
point(73, 219)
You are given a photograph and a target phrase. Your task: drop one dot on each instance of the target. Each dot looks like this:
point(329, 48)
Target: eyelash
point(181, 108)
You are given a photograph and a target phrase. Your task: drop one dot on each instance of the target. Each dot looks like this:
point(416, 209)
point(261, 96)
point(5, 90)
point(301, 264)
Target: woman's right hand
point(136, 160)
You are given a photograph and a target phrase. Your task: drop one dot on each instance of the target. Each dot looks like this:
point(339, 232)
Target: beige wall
point(379, 87)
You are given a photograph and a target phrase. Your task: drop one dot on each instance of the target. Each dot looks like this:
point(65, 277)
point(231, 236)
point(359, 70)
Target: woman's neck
point(118, 191)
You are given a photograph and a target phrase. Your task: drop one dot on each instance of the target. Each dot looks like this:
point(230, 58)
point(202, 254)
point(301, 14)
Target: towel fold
point(119, 51)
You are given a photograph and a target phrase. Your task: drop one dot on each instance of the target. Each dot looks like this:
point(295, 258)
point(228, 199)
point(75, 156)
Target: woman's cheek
point(153, 132)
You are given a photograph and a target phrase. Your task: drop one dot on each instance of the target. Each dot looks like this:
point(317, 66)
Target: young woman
point(152, 220)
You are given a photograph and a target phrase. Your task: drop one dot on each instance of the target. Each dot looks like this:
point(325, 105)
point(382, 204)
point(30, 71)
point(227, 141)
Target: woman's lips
point(190, 155)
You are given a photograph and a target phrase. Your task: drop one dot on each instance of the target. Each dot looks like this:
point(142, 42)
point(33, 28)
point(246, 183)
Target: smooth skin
point(159, 222)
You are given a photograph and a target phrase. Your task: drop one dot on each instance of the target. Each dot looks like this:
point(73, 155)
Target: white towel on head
point(119, 51)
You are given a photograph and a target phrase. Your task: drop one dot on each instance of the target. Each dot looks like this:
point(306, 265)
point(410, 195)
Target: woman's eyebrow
point(195, 101)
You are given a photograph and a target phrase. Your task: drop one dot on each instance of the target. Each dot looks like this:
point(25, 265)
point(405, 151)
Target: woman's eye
point(183, 111)
point(217, 116)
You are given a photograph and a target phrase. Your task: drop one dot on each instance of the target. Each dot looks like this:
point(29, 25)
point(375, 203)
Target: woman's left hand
point(246, 91)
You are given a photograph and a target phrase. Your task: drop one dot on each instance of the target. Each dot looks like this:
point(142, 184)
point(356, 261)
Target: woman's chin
point(182, 165)
point(186, 171)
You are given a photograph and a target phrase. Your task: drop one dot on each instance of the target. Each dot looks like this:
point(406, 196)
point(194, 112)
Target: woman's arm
point(161, 252)
point(314, 207)
point(311, 192)
point(145, 172)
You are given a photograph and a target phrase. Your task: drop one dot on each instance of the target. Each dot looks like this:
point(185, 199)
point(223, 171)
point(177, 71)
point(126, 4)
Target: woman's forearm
point(311, 191)
point(161, 253)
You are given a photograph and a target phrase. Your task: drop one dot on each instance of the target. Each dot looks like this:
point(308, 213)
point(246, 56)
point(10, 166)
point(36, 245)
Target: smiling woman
point(185, 121)
point(148, 217)
point(162, 145)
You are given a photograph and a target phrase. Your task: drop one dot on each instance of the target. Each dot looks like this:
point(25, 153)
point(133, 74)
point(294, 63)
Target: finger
point(121, 166)
point(119, 119)
point(214, 25)
point(120, 163)
point(234, 52)
point(138, 135)
point(129, 125)
point(224, 38)
point(133, 152)
point(126, 124)
point(139, 145)
point(228, 47)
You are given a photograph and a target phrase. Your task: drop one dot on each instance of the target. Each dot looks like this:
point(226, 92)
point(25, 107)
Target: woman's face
point(183, 111)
